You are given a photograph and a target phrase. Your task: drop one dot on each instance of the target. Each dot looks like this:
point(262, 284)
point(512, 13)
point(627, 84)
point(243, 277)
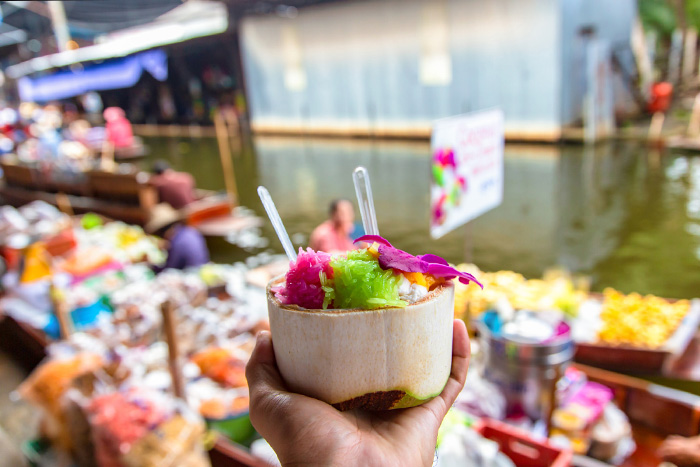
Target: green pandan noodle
point(359, 282)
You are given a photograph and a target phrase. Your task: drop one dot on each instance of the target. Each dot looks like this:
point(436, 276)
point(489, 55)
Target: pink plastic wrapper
point(119, 420)
point(591, 400)
point(138, 428)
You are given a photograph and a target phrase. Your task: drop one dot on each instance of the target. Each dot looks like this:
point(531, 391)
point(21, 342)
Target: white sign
point(467, 169)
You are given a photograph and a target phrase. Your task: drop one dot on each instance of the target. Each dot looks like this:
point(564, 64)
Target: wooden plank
point(22, 343)
point(228, 454)
point(664, 410)
point(222, 139)
point(223, 226)
point(80, 204)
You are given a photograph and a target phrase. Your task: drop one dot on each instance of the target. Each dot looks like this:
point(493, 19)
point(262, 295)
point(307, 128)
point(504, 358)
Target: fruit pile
point(639, 321)
point(555, 291)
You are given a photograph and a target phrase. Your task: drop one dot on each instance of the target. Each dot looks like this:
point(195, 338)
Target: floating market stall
point(629, 333)
point(124, 194)
point(531, 330)
point(118, 357)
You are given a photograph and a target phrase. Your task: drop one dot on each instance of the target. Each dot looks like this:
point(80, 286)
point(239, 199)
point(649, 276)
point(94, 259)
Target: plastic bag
point(140, 428)
point(612, 436)
point(78, 428)
point(48, 383)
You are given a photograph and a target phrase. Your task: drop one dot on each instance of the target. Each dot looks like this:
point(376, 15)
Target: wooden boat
point(121, 196)
point(137, 150)
point(683, 142)
point(654, 411)
point(639, 360)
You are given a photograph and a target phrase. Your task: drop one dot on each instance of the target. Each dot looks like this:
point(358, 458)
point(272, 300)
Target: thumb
point(460, 364)
point(261, 370)
point(269, 401)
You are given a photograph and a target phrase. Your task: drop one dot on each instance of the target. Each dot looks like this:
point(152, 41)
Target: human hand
point(305, 431)
point(683, 452)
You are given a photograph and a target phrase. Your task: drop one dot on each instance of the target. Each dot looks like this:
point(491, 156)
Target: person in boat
point(306, 431)
point(174, 188)
point(334, 235)
point(186, 246)
point(117, 128)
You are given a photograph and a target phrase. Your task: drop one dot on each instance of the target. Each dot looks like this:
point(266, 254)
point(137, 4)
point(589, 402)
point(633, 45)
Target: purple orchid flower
point(390, 257)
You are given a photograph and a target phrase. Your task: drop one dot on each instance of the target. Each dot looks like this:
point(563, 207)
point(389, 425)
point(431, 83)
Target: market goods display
point(556, 291)
point(127, 243)
point(46, 386)
point(221, 395)
point(87, 261)
point(631, 331)
point(385, 335)
point(34, 220)
point(222, 366)
point(639, 321)
point(83, 410)
point(138, 428)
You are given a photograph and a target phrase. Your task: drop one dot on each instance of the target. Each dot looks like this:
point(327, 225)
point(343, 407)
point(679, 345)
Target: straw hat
point(162, 215)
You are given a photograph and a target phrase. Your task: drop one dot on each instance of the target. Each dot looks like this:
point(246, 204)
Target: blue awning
point(113, 74)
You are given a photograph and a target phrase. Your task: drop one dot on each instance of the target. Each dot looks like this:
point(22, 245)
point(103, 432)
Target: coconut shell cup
point(387, 358)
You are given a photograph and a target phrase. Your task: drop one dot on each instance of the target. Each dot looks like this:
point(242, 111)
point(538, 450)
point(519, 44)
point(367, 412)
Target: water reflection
point(627, 216)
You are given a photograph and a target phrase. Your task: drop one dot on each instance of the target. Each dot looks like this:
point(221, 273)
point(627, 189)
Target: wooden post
point(173, 356)
point(689, 53)
point(63, 203)
point(644, 59)
point(65, 324)
point(656, 125)
point(225, 154)
point(694, 124)
point(107, 160)
point(233, 128)
point(675, 56)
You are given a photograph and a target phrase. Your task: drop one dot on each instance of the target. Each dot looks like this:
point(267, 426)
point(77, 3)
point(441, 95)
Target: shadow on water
point(620, 212)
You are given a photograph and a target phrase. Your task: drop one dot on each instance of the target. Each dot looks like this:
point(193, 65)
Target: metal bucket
point(525, 372)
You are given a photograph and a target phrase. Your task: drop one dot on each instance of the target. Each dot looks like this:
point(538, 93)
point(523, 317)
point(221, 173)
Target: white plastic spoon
point(277, 223)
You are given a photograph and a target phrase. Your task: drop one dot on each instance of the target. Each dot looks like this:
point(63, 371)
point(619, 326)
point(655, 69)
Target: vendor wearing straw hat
point(186, 246)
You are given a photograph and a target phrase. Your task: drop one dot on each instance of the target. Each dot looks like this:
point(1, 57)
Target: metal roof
point(196, 18)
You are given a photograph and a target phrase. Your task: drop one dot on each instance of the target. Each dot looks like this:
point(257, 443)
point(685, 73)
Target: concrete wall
point(355, 67)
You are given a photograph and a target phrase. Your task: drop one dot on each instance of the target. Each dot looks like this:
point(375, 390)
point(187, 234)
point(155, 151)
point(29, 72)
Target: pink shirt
point(326, 238)
point(119, 133)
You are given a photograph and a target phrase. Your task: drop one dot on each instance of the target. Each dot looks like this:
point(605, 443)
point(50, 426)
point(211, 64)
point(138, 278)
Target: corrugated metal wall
point(609, 21)
point(356, 66)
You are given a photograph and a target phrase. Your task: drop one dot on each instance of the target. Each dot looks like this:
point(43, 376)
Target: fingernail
point(263, 338)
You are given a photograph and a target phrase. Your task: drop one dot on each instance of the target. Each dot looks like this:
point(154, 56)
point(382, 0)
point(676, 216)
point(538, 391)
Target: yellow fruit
point(639, 321)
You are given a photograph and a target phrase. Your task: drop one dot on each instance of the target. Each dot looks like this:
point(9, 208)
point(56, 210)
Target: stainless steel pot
point(525, 372)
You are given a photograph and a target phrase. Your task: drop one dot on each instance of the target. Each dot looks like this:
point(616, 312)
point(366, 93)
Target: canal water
point(626, 215)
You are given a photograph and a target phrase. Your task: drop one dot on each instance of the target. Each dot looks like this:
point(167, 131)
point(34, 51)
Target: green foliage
point(658, 15)
point(692, 10)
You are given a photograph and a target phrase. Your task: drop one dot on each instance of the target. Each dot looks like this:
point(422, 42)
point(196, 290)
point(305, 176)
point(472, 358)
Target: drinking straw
point(277, 222)
point(363, 190)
